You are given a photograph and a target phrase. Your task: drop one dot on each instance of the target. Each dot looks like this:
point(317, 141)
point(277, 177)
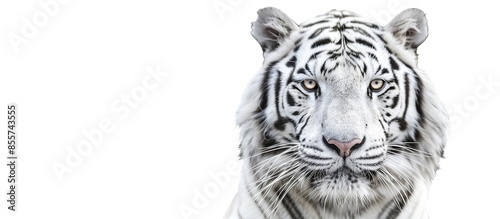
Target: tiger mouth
point(342, 175)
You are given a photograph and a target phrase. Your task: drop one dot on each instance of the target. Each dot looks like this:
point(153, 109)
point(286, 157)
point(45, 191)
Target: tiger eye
point(309, 84)
point(377, 84)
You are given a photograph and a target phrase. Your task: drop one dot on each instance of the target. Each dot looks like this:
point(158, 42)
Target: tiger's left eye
point(309, 84)
point(377, 84)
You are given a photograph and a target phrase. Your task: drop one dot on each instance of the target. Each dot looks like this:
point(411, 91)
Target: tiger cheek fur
point(340, 123)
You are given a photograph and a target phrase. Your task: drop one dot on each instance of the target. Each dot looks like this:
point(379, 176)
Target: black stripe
point(312, 147)
point(307, 65)
point(384, 71)
point(354, 54)
point(362, 32)
point(315, 157)
point(394, 65)
point(380, 68)
point(421, 119)
point(313, 57)
point(388, 50)
point(264, 86)
point(297, 45)
point(292, 62)
point(322, 70)
point(374, 147)
point(403, 125)
point(305, 124)
point(298, 89)
point(384, 209)
point(314, 164)
point(334, 56)
point(291, 207)
point(346, 40)
point(399, 205)
point(289, 80)
point(374, 26)
point(395, 101)
point(302, 117)
point(396, 80)
point(317, 32)
point(280, 123)
point(369, 93)
point(339, 28)
point(339, 43)
point(391, 140)
point(312, 24)
point(365, 43)
point(268, 140)
point(294, 125)
point(289, 99)
point(373, 56)
point(388, 89)
point(381, 38)
point(321, 42)
point(302, 71)
point(334, 14)
point(370, 164)
point(370, 157)
point(255, 201)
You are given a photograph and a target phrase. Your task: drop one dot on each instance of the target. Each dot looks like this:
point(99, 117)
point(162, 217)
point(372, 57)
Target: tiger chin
point(339, 122)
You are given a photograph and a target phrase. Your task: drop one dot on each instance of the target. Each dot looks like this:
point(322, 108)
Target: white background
point(67, 76)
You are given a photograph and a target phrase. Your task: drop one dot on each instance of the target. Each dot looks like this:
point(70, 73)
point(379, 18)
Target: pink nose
point(344, 147)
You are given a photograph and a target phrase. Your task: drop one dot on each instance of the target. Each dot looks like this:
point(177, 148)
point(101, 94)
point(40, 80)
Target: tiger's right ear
point(409, 27)
point(271, 28)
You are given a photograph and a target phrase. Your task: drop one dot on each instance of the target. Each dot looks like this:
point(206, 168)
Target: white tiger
point(340, 122)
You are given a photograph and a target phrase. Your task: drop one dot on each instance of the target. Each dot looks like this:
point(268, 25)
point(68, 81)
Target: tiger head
point(340, 113)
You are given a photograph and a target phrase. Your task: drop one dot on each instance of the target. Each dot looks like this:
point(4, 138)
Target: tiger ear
point(409, 27)
point(271, 28)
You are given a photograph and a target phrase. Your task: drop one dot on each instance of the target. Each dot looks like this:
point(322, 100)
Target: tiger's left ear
point(271, 28)
point(409, 27)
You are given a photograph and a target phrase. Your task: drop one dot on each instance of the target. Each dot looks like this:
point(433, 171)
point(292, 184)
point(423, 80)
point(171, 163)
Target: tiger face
point(342, 105)
point(340, 114)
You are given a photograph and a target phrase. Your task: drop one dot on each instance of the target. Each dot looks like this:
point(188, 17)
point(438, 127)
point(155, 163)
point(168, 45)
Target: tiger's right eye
point(377, 84)
point(309, 84)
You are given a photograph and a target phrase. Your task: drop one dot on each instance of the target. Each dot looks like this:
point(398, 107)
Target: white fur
point(402, 170)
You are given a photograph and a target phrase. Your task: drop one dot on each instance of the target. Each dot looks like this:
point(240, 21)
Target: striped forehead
point(339, 31)
point(340, 38)
point(337, 21)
